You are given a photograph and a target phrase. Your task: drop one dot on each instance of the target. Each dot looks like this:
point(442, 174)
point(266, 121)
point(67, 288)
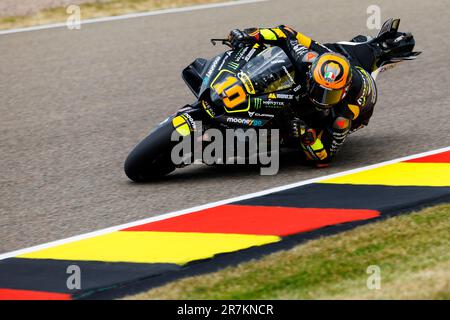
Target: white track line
point(213, 204)
point(135, 15)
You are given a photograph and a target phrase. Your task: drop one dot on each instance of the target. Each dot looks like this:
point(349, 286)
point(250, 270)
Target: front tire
point(150, 159)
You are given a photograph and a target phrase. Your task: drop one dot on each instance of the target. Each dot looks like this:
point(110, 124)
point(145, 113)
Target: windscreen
point(268, 72)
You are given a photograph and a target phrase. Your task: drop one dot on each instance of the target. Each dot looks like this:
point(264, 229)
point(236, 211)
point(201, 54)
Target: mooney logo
point(247, 122)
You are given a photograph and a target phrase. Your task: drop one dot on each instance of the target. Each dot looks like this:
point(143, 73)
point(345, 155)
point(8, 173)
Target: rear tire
point(150, 159)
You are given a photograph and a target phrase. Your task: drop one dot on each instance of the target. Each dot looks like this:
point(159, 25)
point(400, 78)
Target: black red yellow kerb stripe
point(160, 247)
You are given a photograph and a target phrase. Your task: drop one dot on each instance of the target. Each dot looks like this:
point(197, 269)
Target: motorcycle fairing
point(225, 91)
point(192, 75)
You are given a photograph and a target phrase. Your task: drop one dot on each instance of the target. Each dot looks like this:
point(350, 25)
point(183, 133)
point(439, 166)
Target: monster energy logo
point(233, 65)
point(257, 103)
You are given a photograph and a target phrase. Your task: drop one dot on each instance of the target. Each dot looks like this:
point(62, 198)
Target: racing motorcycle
point(252, 87)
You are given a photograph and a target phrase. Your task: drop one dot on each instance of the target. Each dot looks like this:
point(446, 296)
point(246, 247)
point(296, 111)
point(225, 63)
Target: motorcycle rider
point(337, 94)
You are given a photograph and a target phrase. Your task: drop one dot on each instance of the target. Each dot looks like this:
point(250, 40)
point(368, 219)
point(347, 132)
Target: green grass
point(101, 8)
point(413, 252)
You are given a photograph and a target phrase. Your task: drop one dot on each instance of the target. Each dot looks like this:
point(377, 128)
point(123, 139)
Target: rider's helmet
point(328, 79)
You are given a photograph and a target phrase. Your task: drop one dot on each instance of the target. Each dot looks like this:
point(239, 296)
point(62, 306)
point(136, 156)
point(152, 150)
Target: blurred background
point(25, 13)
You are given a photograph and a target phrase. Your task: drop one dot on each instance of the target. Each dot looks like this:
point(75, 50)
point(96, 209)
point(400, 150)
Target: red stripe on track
point(443, 157)
point(13, 294)
point(259, 220)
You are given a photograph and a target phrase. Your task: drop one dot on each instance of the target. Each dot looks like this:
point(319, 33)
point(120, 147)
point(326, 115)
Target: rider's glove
point(239, 39)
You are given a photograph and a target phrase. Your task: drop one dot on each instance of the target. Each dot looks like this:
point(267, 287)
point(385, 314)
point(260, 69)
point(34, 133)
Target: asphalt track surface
point(73, 104)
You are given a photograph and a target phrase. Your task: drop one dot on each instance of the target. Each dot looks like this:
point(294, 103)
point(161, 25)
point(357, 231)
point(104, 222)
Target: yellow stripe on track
point(400, 174)
point(151, 247)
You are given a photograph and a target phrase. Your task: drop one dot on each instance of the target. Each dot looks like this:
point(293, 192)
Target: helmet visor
point(325, 97)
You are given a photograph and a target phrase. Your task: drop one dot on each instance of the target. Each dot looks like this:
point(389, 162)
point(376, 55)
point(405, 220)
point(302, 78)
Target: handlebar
point(225, 42)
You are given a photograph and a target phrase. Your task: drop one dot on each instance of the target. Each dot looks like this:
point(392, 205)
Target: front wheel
point(150, 159)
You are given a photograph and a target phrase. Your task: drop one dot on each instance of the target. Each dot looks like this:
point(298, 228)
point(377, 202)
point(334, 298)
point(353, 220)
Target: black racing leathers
point(353, 112)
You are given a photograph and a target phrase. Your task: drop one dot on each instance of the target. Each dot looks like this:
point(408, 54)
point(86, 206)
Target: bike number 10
point(234, 93)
